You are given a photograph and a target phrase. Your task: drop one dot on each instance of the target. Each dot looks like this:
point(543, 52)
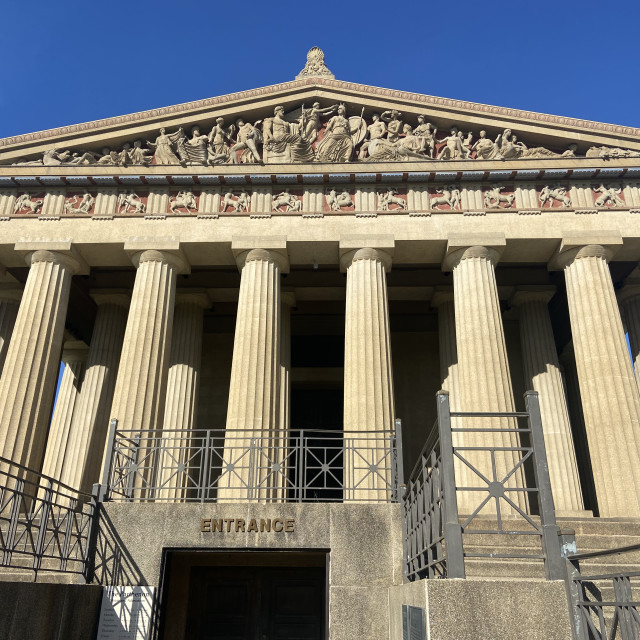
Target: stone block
point(358, 612)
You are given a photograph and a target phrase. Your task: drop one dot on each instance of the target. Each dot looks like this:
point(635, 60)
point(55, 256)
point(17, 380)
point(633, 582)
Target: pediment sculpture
point(315, 133)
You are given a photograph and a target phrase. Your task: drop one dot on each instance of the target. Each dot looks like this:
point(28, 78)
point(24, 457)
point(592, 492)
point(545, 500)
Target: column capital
point(61, 252)
point(193, 296)
point(588, 244)
point(266, 248)
point(168, 249)
point(473, 245)
point(532, 293)
point(441, 296)
point(118, 297)
point(366, 247)
point(74, 351)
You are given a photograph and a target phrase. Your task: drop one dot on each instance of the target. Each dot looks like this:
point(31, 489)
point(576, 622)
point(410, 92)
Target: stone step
point(504, 568)
point(28, 575)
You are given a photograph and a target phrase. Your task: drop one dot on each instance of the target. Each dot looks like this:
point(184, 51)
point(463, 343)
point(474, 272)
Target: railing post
point(400, 487)
point(204, 476)
point(41, 538)
point(553, 558)
point(108, 460)
point(452, 528)
point(14, 516)
point(92, 534)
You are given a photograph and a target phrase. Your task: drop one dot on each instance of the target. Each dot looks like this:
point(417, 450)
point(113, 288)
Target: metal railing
point(603, 606)
point(44, 525)
point(209, 465)
point(501, 501)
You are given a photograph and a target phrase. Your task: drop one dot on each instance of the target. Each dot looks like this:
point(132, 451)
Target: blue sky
point(70, 61)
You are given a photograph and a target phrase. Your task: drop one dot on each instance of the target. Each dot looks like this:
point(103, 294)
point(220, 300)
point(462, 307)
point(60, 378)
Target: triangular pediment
point(518, 134)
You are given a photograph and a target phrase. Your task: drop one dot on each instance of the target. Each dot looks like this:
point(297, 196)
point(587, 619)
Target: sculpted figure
point(286, 201)
point(448, 195)
point(124, 157)
point(108, 158)
point(394, 124)
point(375, 131)
point(559, 194)
point(609, 195)
point(485, 148)
point(219, 139)
point(337, 201)
point(25, 202)
point(389, 197)
point(571, 151)
point(410, 142)
point(164, 146)
point(493, 198)
point(84, 206)
point(337, 145)
point(183, 200)
point(453, 149)
point(139, 155)
point(130, 202)
point(281, 139)
point(194, 150)
point(310, 120)
point(611, 152)
point(248, 136)
point(427, 135)
point(239, 204)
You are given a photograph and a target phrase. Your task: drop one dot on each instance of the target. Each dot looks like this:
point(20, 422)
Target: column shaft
point(368, 378)
point(30, 371)
point(254, 392)
point(183, 383)
point(542, 374)
point(9, 305)
point(59, 441)
point(609, 393)
point(91, 418)
point(630, 303)
point(484, 377)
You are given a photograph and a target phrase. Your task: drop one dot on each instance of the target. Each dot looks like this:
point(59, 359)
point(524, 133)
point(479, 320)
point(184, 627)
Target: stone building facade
point(316, 254)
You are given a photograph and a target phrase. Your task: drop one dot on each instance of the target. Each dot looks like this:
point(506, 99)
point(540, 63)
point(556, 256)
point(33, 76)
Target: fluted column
point(629, 297)
point(368, 378)
point(609, 392)
point(90, 423)
point(542, 374)
point(74, 357)
point(483, 369)
point(443, 301)
point(138, 400)
point(254, 391)
point(30, 370)
point(183, 384)
point(9, 305)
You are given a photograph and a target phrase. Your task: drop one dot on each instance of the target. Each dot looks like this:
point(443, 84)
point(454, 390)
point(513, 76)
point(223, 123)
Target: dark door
point(256, 603)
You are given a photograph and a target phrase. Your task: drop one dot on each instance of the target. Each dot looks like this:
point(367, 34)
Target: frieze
point(470, 198)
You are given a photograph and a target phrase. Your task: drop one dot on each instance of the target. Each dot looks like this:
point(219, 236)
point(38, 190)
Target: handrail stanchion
point(108, 461)
point(553, 558)
point(452, 528)
point(400, 488)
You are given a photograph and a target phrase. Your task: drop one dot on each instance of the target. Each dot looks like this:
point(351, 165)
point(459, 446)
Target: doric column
point(90, 424)
point(368, 377)
point(9, 305)
point(254, 391)
point(183, 384)
point(542, 374)
point(138, 401)
point(30, 370)
point(443, 301)
point(483, 368)
point(609, 392)
point(59, 443)
point(629, 297)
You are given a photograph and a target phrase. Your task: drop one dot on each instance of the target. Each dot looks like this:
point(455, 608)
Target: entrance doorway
point(245, 596)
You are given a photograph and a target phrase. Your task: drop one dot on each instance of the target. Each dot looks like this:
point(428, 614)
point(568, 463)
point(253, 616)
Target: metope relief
point(28, 203)
point(183, 202)
point(80, 203)
point(339, 200)
point(130, 202)
point(495, 197)
point(391, 200)
point(609, 196)
point(447, 198)
point(285, 202)
point(554, 197)
point(235, 203)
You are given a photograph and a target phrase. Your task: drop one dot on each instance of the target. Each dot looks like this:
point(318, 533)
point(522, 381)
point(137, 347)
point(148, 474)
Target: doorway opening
point(244, 595)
